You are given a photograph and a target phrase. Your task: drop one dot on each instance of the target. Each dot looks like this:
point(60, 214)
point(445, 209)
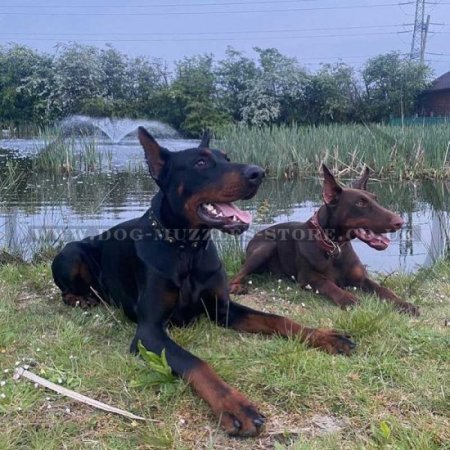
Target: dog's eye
point(361, 203)
point(200, 163)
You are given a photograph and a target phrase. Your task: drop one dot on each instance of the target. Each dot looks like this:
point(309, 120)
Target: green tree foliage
point(25, 83)
point(331, 95)
point(202, 92)
point(235, 75)
point(392, 84)
point(194, 94)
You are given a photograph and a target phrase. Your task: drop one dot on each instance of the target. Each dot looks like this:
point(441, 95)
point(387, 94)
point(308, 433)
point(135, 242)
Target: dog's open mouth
point(225, 216)
point(374, 240)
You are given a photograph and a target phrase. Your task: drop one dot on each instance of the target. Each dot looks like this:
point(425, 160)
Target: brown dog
point(319, 252)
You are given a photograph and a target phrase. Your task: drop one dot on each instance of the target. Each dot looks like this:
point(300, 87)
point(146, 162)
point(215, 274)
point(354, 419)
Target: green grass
point(62, 154)
point(292, 151)
point(393, 393)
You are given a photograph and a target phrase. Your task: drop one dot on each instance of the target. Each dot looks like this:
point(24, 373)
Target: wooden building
point(435, 101)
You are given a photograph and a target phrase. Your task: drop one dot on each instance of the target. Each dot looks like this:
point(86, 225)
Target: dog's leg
point(384, 293)
point(236, 413)
point(256, 257)
point(227, 313)
point(249, 320)
point(326, 287)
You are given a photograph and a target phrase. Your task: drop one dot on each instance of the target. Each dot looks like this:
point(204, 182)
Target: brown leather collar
point(331, 248)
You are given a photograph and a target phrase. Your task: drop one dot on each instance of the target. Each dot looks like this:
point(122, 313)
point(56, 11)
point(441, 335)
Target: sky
point(313, 31)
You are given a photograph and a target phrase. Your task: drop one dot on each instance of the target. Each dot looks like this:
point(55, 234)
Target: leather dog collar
point(331, 248)
point(196, 240)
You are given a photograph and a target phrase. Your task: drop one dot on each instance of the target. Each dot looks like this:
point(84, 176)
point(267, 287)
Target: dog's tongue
point(376, 241)
point(229, 210)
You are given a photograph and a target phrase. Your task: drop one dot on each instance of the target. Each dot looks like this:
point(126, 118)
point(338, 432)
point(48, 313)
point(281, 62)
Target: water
point(115, 129)
point(44, 208)
point(116, 156)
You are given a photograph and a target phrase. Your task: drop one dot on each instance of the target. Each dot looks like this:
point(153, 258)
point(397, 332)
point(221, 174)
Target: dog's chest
point(191, 277)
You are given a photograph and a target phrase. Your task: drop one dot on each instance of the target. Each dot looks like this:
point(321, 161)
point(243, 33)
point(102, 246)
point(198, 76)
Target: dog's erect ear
point(155, 155)
point(331, 188)
point(361, 182)
point(205, 139)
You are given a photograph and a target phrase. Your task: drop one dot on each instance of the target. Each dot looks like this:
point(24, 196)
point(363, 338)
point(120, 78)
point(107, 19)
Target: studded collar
point(180, 238)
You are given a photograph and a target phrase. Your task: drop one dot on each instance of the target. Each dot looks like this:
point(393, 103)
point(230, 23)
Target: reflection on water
point(55, 208)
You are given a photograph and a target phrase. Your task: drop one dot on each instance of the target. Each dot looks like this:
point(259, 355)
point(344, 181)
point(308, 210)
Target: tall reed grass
point(62, 154)
point(293, 151)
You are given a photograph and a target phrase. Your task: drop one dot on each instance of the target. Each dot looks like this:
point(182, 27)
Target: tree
point(234, 75)
point(331, 95)
point(195, 98)
point(25, 84)
point(274, 94)
point(79, 79)
point(148, 88)
point(392, 85)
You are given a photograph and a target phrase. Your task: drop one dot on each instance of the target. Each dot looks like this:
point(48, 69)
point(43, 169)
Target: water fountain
point(114, 128)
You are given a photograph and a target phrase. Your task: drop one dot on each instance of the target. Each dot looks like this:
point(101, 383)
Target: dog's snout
point(397, 222)
point(254, 174)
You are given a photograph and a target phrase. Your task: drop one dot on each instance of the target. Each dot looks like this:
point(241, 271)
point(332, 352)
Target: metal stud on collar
point(171, 239)
point(336, 252)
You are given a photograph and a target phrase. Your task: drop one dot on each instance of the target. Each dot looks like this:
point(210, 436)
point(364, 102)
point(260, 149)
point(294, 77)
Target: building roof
point(441, 83)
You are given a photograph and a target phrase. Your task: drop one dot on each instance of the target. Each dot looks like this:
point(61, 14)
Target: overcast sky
point(314, 31)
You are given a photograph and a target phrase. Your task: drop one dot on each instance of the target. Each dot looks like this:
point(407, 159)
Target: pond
point(44, 208)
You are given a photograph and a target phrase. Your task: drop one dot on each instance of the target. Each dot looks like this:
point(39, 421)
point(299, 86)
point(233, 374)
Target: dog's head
point(355, 212)
point(201, 183)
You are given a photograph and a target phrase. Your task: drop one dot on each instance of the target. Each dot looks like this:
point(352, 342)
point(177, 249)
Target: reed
point(288, 152)
point(61, 154)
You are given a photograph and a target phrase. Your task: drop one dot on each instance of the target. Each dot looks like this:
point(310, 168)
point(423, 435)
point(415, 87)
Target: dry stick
point(21, 372)
point(107, 306)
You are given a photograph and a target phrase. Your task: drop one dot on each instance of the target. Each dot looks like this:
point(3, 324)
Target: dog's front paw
point(347, 301)
point(237, 415)
point(407, 308)
point(83, 302)
point(238, 289)
point(331, 341)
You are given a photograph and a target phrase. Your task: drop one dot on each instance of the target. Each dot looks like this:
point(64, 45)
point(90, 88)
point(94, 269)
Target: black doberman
point(163, 268)
point(319, 252)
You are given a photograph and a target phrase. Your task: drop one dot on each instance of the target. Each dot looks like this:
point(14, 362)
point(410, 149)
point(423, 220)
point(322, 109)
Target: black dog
point(163, 267)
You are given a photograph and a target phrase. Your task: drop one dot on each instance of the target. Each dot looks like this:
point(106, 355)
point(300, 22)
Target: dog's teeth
point(219, 214)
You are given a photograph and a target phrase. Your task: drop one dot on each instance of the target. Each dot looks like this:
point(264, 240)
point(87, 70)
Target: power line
point(203, 33)
point(169, 13)
point(220, 39)
point(161, 5)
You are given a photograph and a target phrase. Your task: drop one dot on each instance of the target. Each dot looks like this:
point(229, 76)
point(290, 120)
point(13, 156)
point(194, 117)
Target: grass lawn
point(393, 393)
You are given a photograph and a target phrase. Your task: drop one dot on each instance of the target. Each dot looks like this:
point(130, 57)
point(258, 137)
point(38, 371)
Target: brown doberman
point(319, 252)
point(163, 268)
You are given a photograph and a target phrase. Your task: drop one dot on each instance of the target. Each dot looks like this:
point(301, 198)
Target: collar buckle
point(331, 248)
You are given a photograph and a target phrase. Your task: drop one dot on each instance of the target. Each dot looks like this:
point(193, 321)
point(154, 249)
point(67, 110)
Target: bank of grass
point(409, 152)
point(393, 393)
